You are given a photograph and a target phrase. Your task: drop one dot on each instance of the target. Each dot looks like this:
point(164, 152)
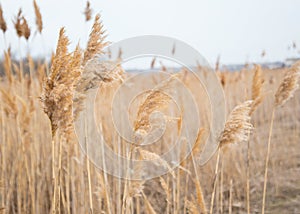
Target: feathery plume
point(156, 159)
point(7, 66)
point(57, 96)
point(3, 25)
point(25, 28)
point(18, 24)
point(153, 63)
point(96, 41)
point(155, 99)
point(257, 84)
point(94, 73)
point(38, 17)
point(21, 26)
point(166, 188)
point(288, 86)
point(237, 127)
point(88, 11)
point(197, 146)
point(284, 92)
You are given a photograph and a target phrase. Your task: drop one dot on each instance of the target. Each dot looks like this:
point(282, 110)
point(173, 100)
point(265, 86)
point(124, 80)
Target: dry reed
point(38, 17)
point(257, 97)
point(88, 12)
point(284, 92)
point(18, 24)
point(236, 130)
point(25, 29)
point(3, 25)
point(257, 87)
point(25, 166)
point(288, 86)
point(96, 41)
point(155, 99)
point(238, 125)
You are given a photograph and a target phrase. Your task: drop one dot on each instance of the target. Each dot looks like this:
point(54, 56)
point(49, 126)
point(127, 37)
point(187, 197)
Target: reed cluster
point(43, 169)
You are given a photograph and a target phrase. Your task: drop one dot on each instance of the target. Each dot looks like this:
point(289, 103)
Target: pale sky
point(238, 30)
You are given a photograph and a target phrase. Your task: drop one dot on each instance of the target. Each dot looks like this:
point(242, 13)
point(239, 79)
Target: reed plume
point(57, 99)
point(257, 97)
point(93, 74)
point(154, 100)
point(236, 130)
point(38, 17)
point(156, 159)
point(238, 125)
point(197, 147)
point(96, 41)
point(18, 24)
point(21, 26)
point(284, 92)
point(288, 86)
point(3, 25)
point(166, 188)
point(88, 11)
point(50, 95)
point(57, 96)
point(8, 67)
point(152, 65)
point(25, 29)
point(257, 86)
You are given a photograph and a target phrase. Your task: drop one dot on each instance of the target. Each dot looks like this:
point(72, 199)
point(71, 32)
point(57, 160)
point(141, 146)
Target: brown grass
point(96, 41)
point(88, 11)
point(44, 170)
point(38, 17)
point(3, 25)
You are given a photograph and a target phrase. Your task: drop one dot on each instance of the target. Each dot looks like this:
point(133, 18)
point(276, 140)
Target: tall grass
point(43, 169)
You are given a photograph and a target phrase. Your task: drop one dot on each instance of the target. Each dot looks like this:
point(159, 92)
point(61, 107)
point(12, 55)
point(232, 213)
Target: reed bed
point(44, 170)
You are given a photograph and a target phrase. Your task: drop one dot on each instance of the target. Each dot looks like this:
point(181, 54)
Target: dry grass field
point(44, 170)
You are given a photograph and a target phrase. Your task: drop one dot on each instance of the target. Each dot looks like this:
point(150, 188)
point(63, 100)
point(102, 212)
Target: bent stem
point(267, 162)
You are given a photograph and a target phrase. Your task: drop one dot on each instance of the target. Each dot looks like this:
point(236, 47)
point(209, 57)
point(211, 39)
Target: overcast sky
point(238, 30)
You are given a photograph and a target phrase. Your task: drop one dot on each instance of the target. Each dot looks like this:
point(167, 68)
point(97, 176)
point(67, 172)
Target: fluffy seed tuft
point(237, 127)
point(288, 86)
